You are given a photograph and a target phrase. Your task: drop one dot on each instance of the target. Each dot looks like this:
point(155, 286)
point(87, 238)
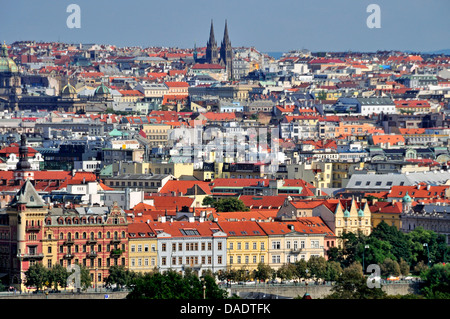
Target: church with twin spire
point(222, 55)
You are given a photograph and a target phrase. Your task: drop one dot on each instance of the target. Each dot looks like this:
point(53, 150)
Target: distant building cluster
point(112, 155)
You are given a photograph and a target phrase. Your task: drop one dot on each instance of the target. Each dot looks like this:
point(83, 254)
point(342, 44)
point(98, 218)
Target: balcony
point(68, 256)
point(115, 241)
point(295, 251)
point(116, 253)
point(91, 254)
point(69, 242)
point(91, 241)
point(32, 228)
point(29, 256)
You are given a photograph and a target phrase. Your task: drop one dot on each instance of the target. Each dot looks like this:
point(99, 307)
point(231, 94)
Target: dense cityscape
point(259, 175)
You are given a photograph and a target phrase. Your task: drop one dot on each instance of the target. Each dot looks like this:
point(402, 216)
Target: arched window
point(108, 235)
point(92, 235)
point(99, 235)
point(84, 235)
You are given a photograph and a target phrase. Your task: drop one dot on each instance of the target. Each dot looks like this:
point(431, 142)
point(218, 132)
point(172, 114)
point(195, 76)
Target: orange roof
point(170, 202)
point(177, 84)
point(386, 208)
point(391, 139)
point(418, 191)
point(175, 186)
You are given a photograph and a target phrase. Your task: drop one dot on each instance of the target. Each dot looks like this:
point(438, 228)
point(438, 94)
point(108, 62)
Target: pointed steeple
point(212, 39)
point(226, 38)
point(212, 53)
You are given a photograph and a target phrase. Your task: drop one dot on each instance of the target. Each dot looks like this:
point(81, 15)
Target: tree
point(286, 271)
point(300, 268)
point(390, 268)
point(208, 201)
point(437, 282)
point(172, 285)
point(404, 267)
point(317, 266)
point(57, 276)
point(263, 271)
point(230, 204)
point(85, 277)
point(36, 276)
point(118, 275)
point(333, 271)
point(353, 285)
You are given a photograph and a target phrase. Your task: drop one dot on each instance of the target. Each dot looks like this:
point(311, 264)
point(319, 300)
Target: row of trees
point(39, 276)
point(388, 246)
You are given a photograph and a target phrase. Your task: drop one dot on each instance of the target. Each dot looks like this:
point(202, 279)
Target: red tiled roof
point(175, 186)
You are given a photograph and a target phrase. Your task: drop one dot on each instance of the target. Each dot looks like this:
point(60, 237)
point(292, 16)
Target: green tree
point(36, 276)
point(118, 275)
point(399, 243)
point(404, 267)
point(300, 268)
point(208, 201)
point(85, 277)
point(57, 276)
point(353, 285)
point(437, 282)
point(286, 271)
point(333, 271)
point(172, 285)
point(317, 265)
point(390, 268)
point(230, 204)
point(263, 272)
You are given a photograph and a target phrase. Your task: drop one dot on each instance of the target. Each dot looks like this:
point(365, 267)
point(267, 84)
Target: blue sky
point(325, 25)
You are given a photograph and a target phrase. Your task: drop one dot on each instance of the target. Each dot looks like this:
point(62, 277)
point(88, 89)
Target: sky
point(267, 25)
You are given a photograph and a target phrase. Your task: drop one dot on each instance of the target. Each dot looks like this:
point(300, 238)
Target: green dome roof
point(102, 89)
point(346, 213)
point(6, 63)
point(407, 198)
point(360, 213)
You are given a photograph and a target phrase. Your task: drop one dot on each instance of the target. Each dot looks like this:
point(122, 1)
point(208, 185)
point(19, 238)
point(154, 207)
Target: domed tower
point(26, 214)
point(102, 92)
point(406, 202)
point(23, 168)
point(10, 82)
point(69, 92)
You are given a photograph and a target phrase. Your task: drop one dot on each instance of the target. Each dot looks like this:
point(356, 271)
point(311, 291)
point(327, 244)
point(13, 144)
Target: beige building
point(156, 134)
point(175, 169)
point(142, 243)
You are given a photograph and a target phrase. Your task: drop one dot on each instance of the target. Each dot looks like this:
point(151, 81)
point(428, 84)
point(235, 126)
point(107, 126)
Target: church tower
point(26, 213)
point(23, 169)
point(212, 54)
point(226, 52)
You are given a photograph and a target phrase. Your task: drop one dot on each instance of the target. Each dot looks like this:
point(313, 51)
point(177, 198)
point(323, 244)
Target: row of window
point(191, 246)
point(91, 235)
point(190, 260)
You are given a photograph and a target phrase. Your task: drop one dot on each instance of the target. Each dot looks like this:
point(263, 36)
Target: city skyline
point(405, 25)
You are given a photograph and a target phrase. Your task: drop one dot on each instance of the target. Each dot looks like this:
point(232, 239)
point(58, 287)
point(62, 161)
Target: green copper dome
point(6, 63)
point(407, 198)
point(346, 213)
point(102, 89)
